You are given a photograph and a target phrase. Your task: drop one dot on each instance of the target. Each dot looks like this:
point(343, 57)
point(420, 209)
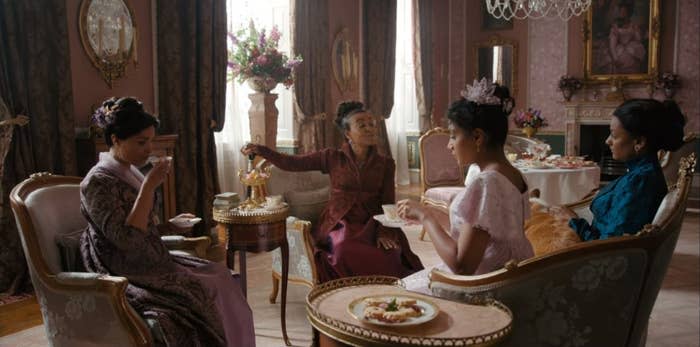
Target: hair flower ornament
point(102, 116)
point(481, 92)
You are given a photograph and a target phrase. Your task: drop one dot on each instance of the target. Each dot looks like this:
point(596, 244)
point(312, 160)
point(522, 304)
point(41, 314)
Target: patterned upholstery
point(307, 194)
point(78, 308)
point(597, 293)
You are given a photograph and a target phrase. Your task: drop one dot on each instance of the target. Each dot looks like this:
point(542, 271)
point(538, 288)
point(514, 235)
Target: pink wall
point(89, 89)
point(550, 48)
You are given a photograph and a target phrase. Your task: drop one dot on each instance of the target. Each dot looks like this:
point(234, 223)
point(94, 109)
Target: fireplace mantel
point(585, 112)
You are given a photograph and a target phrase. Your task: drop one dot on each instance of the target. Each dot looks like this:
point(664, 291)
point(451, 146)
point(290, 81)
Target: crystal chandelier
point(521, 9)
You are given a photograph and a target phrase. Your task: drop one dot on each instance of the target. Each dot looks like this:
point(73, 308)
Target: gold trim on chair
point(112, 286)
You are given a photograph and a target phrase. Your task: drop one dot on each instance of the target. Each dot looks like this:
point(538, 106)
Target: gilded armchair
point(307, 193)
point(441, 177)
point(78, 308)
point(670, 161)
point(597, 293)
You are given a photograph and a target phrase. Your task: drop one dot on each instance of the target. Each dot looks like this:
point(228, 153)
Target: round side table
point(257, 230)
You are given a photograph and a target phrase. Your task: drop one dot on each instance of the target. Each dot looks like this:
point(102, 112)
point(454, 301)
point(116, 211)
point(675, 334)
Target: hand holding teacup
point(409, 209)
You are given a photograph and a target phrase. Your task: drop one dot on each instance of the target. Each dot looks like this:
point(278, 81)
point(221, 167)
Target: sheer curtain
point(404, 115)
point(236, 130)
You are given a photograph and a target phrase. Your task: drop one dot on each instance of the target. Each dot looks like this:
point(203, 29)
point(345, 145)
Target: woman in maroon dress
point(349, 242)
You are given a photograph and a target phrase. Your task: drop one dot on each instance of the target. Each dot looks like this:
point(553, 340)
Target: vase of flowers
point(668, 83)
point(529, 121)
point(568, 85)
point(254, 57)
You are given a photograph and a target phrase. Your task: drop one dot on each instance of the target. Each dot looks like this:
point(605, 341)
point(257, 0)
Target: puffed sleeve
point(306, 162)
point(478, 205)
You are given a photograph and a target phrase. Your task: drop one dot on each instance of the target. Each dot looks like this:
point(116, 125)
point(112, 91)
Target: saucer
point(389, 223)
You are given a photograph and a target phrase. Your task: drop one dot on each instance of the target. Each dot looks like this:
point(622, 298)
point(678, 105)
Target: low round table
point(257, 230)
point(457, 324)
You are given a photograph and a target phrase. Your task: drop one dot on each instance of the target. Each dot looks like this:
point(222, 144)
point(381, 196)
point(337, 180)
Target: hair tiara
point(481, 93)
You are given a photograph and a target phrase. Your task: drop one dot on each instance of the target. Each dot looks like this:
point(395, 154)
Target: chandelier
point(521, 9)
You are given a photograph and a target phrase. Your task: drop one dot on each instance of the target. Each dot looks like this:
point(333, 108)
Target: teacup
point(273, 201)
point(390, 212)
point(154, 160)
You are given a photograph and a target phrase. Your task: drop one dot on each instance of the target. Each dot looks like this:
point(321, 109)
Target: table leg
point(230, 259)
point(241, 261)
point(285, 274)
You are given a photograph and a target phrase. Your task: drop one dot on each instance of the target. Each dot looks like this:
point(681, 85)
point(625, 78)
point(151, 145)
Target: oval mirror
point(108, 35)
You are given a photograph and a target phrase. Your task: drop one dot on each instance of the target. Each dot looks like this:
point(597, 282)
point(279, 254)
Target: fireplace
point(587, 127)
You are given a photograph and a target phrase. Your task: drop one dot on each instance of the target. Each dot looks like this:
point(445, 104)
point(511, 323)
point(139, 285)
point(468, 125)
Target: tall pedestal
point(263, 119)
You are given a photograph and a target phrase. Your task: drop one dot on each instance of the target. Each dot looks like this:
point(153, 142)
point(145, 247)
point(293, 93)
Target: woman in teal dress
point(638, 129)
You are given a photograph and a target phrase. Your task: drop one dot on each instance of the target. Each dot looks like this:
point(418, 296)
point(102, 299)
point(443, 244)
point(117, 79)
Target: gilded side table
point(257, 230)
point(483, 323)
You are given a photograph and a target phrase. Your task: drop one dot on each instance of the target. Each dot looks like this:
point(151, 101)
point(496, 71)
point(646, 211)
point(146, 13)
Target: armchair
point(307, 193)
point(597, 293)
point(78, 308)
point(441, 177)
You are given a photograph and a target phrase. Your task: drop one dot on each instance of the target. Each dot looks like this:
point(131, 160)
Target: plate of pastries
point(393, 310)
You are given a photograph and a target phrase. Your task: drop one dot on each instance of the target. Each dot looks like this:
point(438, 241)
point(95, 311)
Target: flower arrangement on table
point(254, 56)
point(529, 121)
point(669, 83)
point(568, 85)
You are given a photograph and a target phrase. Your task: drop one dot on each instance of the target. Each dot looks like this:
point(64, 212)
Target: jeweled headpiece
point(481, 93)
point(103, 115)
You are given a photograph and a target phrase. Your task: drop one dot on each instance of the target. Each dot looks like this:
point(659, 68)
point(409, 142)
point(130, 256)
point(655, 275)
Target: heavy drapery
point(423, 59)
point(192, 87)
point(379, 33)
point(35, 80)
point(310, 21)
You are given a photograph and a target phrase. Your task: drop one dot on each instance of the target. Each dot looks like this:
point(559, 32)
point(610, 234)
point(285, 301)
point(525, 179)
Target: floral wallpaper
point(546, 63)
point(689, 63)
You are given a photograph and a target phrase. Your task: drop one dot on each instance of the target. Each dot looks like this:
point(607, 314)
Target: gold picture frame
point(621, 41)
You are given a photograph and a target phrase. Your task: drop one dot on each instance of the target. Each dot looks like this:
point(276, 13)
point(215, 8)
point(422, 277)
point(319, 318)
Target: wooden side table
point(258, 230)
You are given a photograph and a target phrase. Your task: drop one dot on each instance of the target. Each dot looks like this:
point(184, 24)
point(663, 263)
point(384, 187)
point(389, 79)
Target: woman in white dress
point(487, 217)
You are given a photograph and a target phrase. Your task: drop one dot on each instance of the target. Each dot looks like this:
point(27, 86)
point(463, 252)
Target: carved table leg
point(284, 247)
point(241, 261)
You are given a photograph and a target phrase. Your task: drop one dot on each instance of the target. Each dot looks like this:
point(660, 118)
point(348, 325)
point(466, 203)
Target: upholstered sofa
point(597, 293)
point(78, 308)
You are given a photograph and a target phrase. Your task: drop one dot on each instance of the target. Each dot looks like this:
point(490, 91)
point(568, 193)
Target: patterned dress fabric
point(626, 204)
point(493, 204)
point(346, 234)
point(195, 302)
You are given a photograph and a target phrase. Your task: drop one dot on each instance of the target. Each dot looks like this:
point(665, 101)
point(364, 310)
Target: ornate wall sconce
point(109, 36)
point(344, 61)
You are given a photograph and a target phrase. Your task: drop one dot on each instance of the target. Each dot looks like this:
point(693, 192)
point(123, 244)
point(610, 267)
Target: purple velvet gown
point(346, 234)
point(195, 302)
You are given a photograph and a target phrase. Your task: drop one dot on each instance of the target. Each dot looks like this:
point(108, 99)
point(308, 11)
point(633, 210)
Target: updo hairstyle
point(124, 118)
point(347, 109)
point(661, 123)
point(492, 119)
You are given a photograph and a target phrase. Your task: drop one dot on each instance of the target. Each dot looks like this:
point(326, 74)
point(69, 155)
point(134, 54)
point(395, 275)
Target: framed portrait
point(621, 40)
point(489, 22)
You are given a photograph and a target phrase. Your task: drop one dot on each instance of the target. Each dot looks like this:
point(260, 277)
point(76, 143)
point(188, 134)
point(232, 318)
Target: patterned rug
point(8, 299)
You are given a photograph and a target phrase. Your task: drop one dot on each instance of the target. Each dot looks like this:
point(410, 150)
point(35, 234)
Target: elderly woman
point(349, 242)
point(194, 302)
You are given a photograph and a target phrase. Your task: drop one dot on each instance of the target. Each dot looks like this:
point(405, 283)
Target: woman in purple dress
point(194, 302)
point(349, 242)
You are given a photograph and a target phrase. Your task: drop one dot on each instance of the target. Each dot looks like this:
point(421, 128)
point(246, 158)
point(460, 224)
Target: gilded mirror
point(109, 37)
point(343, 60)
point(497, 60)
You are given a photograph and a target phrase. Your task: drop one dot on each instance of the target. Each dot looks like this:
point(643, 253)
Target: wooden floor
point(675, 320)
